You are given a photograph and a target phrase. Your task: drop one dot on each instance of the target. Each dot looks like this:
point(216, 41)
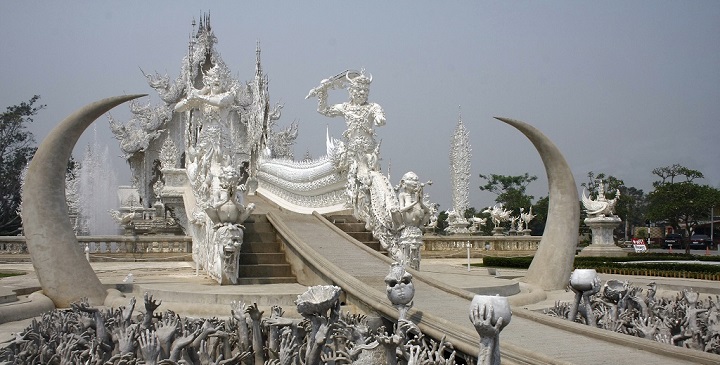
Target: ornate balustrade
point(112, 244)
point(487, 243)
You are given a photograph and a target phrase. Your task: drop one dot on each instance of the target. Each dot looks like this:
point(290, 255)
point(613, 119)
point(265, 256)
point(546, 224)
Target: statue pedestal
point(602, 237)
point(498, 231)
point(458, 227)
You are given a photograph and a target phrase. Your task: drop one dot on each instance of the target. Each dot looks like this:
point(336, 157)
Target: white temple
point(212, 141)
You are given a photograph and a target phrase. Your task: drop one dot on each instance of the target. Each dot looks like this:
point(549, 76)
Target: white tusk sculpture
point(554, 258)
point(64, 274)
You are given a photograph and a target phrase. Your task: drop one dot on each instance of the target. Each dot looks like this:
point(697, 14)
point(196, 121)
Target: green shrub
point(628, 265)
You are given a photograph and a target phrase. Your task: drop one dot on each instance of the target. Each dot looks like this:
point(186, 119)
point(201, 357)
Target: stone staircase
point(262, 260)
point(356, 229)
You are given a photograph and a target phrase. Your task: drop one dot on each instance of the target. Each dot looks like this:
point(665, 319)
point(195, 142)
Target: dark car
point(673, 240)
point(700, 242)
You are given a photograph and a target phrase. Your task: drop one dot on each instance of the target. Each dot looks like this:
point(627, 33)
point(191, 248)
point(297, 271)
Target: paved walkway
point(538, 338)
point(546, 341)
point(559, 345)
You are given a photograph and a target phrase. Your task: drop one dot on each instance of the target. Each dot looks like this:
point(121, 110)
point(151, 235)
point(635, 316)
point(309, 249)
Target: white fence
point(111, 244)
point(487, 243)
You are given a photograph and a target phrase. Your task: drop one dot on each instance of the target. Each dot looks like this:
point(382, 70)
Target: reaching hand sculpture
point(335, 338)
point(683, 320)
point(584, 283)
point(489, 315)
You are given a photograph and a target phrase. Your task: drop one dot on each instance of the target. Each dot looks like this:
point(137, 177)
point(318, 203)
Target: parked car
point(700, 242)
point(673, 240)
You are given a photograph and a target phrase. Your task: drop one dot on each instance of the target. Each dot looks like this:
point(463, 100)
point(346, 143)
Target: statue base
point(498, 231)
point(458, 228)
point(602, 237)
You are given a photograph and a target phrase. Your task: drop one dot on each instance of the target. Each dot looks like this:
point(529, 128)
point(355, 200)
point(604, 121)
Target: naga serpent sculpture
point(553, 262)
point(64, 274)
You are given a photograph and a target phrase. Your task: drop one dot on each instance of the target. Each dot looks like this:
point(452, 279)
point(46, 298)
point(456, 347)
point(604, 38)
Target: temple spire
point(258, 67)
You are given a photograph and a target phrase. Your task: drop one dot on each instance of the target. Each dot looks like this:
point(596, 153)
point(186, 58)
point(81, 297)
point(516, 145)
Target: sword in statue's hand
point(334, 82)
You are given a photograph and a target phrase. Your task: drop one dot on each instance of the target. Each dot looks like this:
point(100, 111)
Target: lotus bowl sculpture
point(614, 290)
point(500, 306)
point(317, 300)
point(582, 279)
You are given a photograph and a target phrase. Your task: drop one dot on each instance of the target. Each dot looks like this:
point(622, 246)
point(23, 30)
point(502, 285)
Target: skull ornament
point(400, 289)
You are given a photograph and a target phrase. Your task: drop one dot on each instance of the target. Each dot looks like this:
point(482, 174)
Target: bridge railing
point(485, 243)
point(111, 244)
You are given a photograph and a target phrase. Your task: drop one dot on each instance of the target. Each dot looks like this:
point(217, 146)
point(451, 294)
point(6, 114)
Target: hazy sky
point(621, 87)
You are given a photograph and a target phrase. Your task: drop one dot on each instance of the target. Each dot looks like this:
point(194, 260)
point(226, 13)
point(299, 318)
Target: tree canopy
point(679, 201)
point(17, 146)
point(510, 190)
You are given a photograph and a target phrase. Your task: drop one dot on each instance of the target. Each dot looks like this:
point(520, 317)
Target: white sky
point(621, 87)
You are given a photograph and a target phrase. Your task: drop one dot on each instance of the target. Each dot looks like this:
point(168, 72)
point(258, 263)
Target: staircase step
point(255, 258)
point(262, 270)
point(375, 245)
point(356, 229)
point(259, 227)
point(253, 236)
point(342, 218)
point(266, 280)
point(351, 227)
point(262, 260)
point(256, 218)
point(260, 247)
point(361, 236)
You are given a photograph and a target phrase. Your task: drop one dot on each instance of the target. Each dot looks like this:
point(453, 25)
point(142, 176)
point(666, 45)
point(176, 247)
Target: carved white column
point(460, 177)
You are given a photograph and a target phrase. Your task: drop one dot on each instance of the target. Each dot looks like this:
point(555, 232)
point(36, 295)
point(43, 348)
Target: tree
point(510, 190)
point(442, 222)
point(668, 174)
point(681, 204)
point(540, 210)
point(17, 146)
point(632, 208)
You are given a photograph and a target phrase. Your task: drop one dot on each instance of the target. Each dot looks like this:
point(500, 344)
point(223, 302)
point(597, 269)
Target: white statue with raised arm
point(360, 115)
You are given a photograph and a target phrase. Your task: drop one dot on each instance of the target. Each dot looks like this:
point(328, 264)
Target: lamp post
point(712, 226)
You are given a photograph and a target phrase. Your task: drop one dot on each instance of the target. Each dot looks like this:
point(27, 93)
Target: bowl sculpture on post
point(556, 252)
point(64, 274)
point(489, 314)
point(584, 283)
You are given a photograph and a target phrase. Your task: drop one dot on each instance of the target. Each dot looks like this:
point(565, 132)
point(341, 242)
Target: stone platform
point(176, 283)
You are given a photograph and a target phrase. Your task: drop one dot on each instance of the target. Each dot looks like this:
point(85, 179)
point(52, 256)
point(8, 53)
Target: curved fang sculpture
point(553, 262)
point(64, 273)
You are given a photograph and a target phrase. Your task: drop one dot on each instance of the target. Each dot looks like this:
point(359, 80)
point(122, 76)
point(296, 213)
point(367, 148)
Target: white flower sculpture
point(317, 300)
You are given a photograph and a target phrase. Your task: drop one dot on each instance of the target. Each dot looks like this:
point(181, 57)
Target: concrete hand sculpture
point(489, 315)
